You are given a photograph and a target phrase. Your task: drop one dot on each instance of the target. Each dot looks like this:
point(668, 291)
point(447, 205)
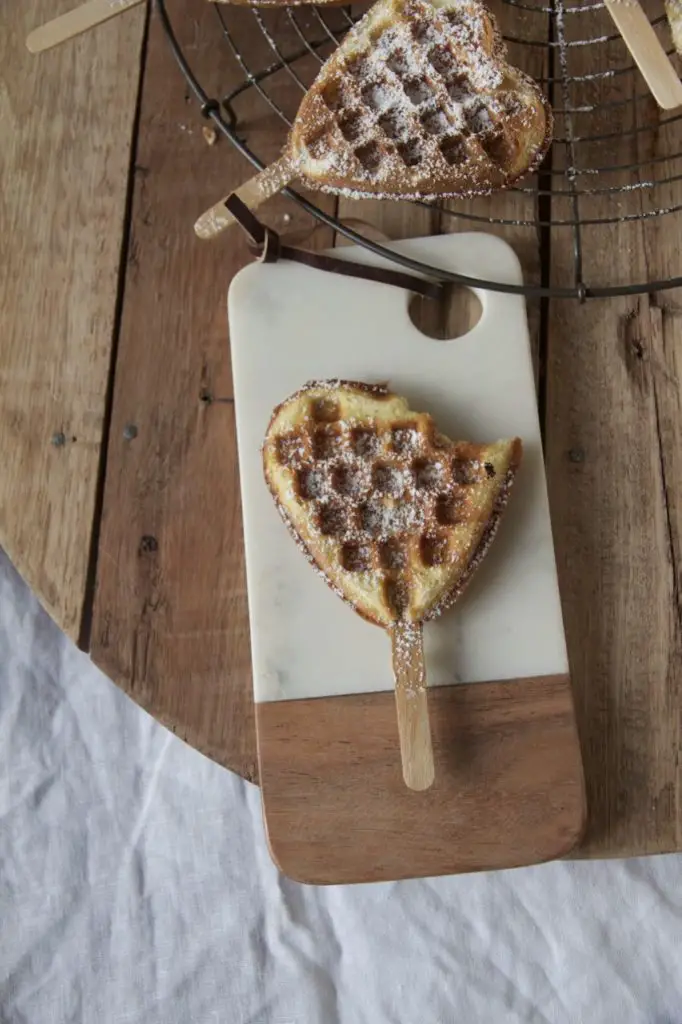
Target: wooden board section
point(66, 124)
point(508, 787)
point(614, 414)
point(170, 622)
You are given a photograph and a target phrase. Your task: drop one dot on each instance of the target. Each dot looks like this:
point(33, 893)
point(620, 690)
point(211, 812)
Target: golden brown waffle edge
point(420, 102)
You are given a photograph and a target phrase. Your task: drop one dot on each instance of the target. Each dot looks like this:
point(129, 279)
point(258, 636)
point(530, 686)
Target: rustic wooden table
point(119, 496)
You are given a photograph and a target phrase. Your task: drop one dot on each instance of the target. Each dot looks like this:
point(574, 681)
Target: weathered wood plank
point(170, 621)
point(613, 424)
point(66, 124)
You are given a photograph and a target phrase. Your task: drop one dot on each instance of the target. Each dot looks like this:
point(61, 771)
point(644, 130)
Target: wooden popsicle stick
point(649, 55)
point(414, 730)
point(253, 192)
point(71, 24)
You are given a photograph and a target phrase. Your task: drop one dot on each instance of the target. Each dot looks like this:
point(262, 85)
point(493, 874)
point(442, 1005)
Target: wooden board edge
point(565, 850)
point(337, 812)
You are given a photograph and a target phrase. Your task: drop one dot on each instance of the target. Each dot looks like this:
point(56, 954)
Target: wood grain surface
point(66, 124)
point(170, 621)
point(508, 787)
point(613, 421)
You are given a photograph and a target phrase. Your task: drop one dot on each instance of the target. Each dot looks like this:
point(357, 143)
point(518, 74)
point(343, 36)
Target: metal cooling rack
point(579, 189)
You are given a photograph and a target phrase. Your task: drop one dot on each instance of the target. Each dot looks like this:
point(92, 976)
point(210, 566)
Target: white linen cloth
point(136, 888)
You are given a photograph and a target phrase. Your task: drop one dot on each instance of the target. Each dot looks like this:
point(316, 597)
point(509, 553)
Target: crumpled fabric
point(136, 888)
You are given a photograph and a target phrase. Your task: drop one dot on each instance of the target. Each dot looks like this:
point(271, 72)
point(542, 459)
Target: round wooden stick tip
point(416, 750)
point(252, 193)
point(214, 221)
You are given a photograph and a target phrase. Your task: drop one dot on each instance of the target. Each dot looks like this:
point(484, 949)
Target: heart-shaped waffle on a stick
point(395, 516)
point(418, 102)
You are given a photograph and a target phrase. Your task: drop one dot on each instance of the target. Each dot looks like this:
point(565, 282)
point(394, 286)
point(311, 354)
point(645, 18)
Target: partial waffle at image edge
point(418, 102)
point(601, 190)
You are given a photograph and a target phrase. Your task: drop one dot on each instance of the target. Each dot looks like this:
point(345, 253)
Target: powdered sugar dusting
point(481, 550)
point(408, 657)
point(383, 511)
point(418, 101)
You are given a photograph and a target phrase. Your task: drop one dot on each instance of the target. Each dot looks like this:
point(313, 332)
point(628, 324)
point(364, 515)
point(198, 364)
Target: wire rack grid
point(614, 160)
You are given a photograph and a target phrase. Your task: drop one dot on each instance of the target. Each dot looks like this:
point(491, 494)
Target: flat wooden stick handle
point(252, 193)
point(414, 730)
point(71, 24)
point(650, 57)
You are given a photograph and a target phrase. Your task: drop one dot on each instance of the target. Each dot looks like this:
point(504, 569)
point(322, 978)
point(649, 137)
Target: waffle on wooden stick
point(393, 515)
point(418, 102)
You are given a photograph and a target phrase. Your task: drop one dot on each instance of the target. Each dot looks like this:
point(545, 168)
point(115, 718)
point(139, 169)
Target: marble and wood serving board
point(509, 787)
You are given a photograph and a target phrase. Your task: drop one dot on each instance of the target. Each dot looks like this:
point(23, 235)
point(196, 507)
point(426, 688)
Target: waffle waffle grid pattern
point(389, 509)
point(419, 100)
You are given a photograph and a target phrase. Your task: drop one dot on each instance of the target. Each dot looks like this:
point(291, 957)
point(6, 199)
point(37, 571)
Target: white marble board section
point(290, 324)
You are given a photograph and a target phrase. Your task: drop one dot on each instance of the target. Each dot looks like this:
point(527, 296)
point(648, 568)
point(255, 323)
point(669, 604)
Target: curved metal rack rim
point(212, 109)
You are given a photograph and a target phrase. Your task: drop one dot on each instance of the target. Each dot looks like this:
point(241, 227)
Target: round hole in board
point(451, 316)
